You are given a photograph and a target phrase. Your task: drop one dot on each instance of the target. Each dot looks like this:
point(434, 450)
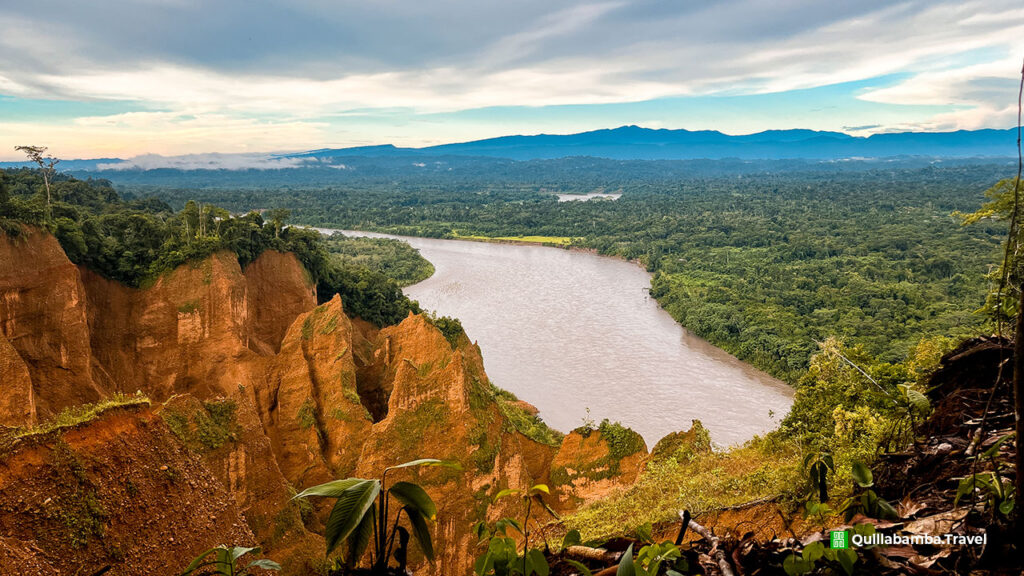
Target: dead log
point(592, 554)
point(717, 553)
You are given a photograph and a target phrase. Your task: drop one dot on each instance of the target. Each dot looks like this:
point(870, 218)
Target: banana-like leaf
point(361, 536)
point(427, 462)
point(199, 561)
point(265, 564)
point(238, 551)
point(421, 531)
point(332, 489)
point(414, 497)
point(349, 511)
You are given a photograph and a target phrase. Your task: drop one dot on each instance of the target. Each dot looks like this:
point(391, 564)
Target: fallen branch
point(592, 554)
point(717, 553)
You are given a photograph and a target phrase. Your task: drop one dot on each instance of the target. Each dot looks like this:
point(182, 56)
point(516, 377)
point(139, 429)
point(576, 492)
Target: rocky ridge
point(272, 394)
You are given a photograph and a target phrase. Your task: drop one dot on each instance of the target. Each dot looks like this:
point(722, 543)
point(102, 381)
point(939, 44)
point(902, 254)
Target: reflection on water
point(567, 331)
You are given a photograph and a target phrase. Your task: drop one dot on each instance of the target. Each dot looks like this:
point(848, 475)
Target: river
point(569, 331)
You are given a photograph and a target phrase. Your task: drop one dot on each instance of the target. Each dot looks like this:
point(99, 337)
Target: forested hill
point(135, 241)
point(764, 264)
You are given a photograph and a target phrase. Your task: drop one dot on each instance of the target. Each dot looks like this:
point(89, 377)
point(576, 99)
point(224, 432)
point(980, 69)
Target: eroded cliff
point(274, 393)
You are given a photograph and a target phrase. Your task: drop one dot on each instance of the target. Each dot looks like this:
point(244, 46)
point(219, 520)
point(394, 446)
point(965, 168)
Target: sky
point(124, 78)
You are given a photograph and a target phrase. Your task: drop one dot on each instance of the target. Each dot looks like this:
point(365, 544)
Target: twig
point(717, 553)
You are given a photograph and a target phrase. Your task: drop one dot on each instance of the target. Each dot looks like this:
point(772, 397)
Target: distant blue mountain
point(636, 143)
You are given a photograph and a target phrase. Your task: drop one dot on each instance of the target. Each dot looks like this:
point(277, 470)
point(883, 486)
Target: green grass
point(208, 428)
point(75, 415)
point(558, 240)
point(698, 481)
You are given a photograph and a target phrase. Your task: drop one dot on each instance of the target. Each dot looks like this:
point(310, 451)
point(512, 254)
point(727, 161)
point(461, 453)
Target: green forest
point(136, 241)
point(765, 264)
point(392, 258)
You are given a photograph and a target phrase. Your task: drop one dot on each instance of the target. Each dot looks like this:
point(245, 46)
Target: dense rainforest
point(854, 285)
point(136, 241)
point(765, 260)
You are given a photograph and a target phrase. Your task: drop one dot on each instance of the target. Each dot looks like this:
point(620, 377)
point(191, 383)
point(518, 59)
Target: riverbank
point(570, 330)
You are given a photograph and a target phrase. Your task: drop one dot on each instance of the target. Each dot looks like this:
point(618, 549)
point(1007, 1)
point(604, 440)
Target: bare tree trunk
point(1018, 410)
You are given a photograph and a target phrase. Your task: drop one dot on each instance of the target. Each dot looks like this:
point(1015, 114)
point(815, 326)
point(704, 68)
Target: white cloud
point(214, 85)
point(206, 162)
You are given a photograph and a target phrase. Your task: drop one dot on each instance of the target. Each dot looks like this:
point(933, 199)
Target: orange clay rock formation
point(117, 490)
point(43, 316)
point(592, 461)
point(272, 394)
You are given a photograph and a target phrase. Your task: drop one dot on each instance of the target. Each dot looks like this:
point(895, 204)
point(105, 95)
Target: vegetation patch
point(555, 240)
point(330, 326)
point(394, 259)
point(711, 480)
point(75, 415)
point(306, 414)
point(413, 426)
point(451, 328)
point(189, 307)
point(205, 429)
point(78, 507)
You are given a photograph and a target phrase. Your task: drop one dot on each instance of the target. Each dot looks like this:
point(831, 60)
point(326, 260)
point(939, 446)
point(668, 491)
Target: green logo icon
point(839, 539)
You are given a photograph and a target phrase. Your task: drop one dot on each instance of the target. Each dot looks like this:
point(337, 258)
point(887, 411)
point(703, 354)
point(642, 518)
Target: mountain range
point(623, 143)
point(636, 143)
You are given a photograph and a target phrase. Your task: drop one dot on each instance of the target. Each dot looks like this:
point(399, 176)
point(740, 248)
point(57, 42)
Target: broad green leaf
point(413, 496)
point(539, 562)
point(919, 401)
point(847, 558)
point(265, 564)
point(198, 561)
point(965, 487)
point(224, 562)
point(238, 551)
point(540, 488)
point(504, 493)
point(427, 462)
point(332, 489)
point(572, 538)
point(500, 525)
point(796, 566)
point(1006, 506)
point(886, 511)
point(361, 536)
point(525, 565)
point(626, 567)
point(862, 474)
point(483, 564)
point(813, 551)
point(349, 511)
point(421, 531)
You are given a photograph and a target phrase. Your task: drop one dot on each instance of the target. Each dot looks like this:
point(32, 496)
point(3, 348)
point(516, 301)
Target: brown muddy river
point(571, 331)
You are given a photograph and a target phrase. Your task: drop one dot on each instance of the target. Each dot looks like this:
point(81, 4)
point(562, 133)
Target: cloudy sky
point(128, 77)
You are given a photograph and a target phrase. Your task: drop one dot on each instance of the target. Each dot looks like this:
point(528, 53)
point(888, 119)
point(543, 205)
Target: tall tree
point(47, 165)
point(278, 217)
